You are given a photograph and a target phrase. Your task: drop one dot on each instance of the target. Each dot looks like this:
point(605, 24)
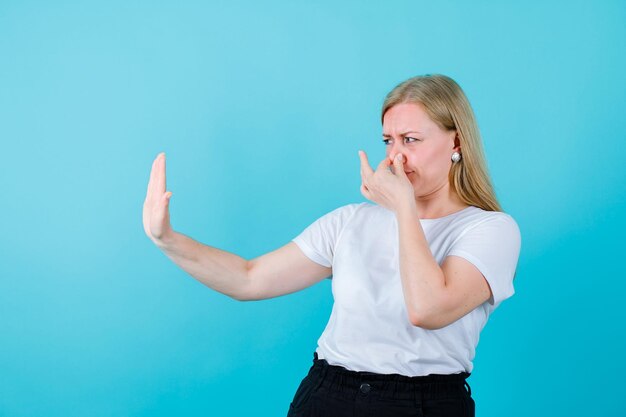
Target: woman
point(415, 276)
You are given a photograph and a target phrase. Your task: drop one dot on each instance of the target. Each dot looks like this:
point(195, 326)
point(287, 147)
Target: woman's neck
point(439, 204)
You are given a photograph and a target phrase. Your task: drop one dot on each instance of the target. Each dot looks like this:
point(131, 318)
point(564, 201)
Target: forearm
point(423, 281)
point(222, 271)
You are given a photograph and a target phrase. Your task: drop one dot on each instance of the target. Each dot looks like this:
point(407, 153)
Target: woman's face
point(426, 147)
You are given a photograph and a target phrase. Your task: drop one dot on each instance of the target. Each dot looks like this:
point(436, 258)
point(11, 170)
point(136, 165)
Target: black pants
point(333, 391)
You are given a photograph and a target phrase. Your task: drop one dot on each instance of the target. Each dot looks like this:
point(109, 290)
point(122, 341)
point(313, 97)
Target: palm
point(156, 216)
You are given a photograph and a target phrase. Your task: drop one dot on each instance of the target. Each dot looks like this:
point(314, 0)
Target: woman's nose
point(395, 150)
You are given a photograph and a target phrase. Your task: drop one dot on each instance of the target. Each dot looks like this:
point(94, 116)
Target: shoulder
point(477, 221)
point(475, 216)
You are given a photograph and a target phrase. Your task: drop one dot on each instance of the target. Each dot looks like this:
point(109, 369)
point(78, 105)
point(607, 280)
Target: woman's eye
point(386, 141)
point(409, 139)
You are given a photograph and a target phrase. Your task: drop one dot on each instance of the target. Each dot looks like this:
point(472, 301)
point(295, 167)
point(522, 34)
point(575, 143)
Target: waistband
point(333, 378)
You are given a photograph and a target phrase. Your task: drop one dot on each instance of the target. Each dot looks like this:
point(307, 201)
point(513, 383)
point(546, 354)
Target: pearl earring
point(456, 157)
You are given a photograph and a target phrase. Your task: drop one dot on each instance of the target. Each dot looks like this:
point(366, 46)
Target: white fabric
point(369, 329)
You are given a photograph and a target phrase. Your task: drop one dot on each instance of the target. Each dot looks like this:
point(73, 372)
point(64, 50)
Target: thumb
point(398, 165)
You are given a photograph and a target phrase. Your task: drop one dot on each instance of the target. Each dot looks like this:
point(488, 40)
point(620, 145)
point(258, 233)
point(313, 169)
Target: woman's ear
point(457, 142)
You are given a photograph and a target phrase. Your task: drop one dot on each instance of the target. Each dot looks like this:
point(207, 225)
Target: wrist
point(166, 241)
point(406, 207)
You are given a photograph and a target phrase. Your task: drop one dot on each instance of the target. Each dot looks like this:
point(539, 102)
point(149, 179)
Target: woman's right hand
point(156, 216)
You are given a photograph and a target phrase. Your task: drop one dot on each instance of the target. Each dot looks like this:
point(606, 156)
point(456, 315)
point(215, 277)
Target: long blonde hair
point(446, 104)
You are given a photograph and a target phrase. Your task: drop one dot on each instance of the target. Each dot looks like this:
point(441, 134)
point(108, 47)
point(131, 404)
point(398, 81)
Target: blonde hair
point(446, 104)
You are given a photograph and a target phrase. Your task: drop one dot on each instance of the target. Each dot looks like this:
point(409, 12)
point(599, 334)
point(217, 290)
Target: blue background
point(261, 108)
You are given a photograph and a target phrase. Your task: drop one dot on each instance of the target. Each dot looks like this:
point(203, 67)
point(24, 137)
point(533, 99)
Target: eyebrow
point(403, 134)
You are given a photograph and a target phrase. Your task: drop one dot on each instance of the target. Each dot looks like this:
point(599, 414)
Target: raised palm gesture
point(156, 215)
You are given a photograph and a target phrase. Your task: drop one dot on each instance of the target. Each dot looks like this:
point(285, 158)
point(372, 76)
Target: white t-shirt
point(369, 329)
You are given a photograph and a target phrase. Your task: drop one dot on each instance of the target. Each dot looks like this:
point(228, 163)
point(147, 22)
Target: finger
point(152, 182)
point(160, 175)
point(365, 192)
point(153, 170)
point(167, 196)
point(365, 165)
point(160, 210)
point(384, 165)
point(398, 164)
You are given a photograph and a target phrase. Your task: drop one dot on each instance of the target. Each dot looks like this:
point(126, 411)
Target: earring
point(456, 157)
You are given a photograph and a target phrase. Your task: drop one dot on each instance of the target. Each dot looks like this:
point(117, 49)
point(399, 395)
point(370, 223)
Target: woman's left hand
point(384, 187)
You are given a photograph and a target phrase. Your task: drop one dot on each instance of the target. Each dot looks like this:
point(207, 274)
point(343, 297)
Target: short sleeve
point(318, 241)
point(492, 246)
